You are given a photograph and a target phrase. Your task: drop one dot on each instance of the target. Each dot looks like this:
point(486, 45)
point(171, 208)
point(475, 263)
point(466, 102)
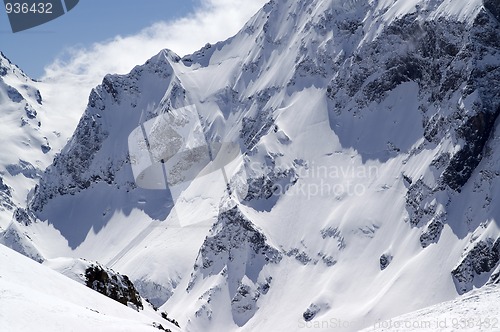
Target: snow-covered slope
point(476, 311)
point(36, 298)
point(366, 187)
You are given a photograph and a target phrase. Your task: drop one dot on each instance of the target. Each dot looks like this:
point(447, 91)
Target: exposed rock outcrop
point(113, 285)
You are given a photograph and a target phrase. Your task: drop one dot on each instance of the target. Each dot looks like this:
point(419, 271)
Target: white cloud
point(69, 81)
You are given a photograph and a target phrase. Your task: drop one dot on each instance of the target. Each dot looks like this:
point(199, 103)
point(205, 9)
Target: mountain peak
point(165, 54)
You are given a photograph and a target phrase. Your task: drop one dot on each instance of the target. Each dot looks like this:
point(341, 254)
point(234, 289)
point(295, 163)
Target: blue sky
point(89, 22)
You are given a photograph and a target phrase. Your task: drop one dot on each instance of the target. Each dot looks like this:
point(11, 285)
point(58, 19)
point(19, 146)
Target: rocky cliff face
point(5, 197)
point(482, 258)
point(238, 251)
point(87, 160)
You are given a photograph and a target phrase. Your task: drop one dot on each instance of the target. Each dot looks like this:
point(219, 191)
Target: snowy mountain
point(366, 181)
point(19, 100)
point(26, 147)
point(33, 133)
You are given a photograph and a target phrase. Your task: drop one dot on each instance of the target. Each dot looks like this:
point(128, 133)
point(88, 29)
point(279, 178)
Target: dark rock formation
point(417, 197)
point(14, 95)
point(5, 196)
point(311, 312)
point(482, 258)
point(25, 168)
point(238, 250)
point(230, 236)
point(475, 132)
point(494, 7)
point(385, 260)
point(432, 233)
point(113, 285)
point(23, 216)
